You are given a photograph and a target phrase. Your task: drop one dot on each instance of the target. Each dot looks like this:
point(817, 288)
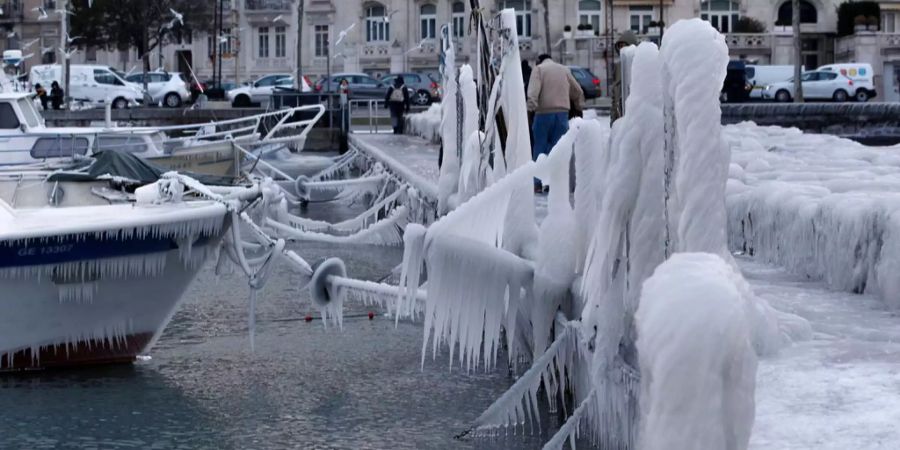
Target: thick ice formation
point(823, 207)
point(697, 362)
point(695, 58)
point(426, 124)
point(470, 315)
point(451, 132)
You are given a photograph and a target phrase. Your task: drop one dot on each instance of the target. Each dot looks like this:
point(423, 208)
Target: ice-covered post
point(695, 60)
point(520, 239)
point(450, 130)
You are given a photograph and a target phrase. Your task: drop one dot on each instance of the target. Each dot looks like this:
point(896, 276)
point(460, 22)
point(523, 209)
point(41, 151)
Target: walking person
point(552, 92)
point(56, 95)
point(41, 95)
point(397, 100)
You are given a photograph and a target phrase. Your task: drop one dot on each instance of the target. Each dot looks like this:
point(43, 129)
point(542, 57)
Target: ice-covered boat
point(88, 275)
point(216, 148)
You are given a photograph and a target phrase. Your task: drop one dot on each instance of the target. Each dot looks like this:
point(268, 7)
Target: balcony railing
point(268, 5)
point(889, 40)
point(749, 41)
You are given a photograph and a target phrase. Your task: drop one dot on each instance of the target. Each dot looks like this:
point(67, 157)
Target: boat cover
point(126, 165)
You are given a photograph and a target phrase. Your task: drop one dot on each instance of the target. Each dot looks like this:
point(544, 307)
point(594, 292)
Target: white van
point(862, 75)
point(91, 83)
point(760, 76)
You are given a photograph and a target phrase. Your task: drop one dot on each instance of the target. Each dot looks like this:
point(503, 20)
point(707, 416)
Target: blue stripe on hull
point(70, 248)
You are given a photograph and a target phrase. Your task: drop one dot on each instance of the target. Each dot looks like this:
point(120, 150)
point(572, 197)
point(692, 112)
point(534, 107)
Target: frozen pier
point(411, 158)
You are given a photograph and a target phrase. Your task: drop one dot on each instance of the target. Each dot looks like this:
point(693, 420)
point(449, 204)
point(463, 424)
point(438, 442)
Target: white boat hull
point(96, 284)
point(107, 321)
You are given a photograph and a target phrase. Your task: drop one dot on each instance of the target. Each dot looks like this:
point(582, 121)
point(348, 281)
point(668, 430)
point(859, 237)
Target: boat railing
point(270, 127)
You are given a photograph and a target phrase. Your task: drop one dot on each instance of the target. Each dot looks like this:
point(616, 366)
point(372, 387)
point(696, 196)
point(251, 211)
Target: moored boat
point(94, 279)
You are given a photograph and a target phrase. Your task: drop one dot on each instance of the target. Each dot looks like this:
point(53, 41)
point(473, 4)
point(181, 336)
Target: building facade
point(382, 36)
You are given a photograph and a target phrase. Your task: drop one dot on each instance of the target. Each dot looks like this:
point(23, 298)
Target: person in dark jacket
point(397, 100)
point(41, 95)
point(56, 95)
point(526, 73)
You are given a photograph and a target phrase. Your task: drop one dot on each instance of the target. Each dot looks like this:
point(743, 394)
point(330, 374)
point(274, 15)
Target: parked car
point(862, 76)
point(93, 83)
point(168, 88)
point(589, 82)
point(361, 86)
point(817, 84)
point(760, 76)
point(260, 90)
point(423, 90)
point(735, 88)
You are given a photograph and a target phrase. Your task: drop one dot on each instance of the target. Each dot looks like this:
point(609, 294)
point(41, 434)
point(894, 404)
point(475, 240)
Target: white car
point(166, 88)
point(862, 76)
point(817, 85)
point(260, 90)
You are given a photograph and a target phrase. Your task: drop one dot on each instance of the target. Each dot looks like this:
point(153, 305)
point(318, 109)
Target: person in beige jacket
point(552, 92)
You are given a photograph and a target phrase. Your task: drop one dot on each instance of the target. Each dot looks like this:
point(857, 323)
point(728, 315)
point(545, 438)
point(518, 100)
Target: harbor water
point(304, 386)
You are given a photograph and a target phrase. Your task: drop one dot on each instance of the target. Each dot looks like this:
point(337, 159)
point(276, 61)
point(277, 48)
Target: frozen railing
point(371, 108)
point(246, 128)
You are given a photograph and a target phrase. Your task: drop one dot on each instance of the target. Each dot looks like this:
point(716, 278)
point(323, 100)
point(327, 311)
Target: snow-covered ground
point(839, 390)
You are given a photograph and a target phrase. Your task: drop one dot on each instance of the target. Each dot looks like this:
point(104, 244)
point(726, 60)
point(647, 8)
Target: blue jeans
point(547, 128)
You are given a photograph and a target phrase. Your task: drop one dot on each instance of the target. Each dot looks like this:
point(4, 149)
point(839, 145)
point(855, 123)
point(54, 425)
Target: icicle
point(384, 232)
point(413, 259)
point(251, 319)
point(467, 297)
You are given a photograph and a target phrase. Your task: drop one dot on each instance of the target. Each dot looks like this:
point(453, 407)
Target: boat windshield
point(29, 113)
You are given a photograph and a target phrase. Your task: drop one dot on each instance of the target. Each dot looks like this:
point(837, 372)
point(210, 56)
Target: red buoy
point(371, 315)
point(308, 318)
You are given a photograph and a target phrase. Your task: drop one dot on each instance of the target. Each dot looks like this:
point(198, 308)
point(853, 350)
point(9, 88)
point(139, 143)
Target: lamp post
point(795, 19)
point(299, 76)
point(64, 30)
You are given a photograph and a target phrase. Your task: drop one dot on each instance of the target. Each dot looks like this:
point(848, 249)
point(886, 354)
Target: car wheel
point(783, 96)
point(120, 103)
point(172, 100)
point(840, 95)
point(422, 98)
point(862, 96)
point(241, 101)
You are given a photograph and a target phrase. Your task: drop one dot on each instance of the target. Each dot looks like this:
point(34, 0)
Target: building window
point(321, 49)
point(263, 42)
point(48, 49)
point(183, 36)
point(639, 18)
point(721, 14)
point(223, 40)
point(889, 22)
point(459, 19)
point(280, 42)
point(808, 13)
point(427, 21)
point(589, 13)
point(523, 16)
point(378, 29)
